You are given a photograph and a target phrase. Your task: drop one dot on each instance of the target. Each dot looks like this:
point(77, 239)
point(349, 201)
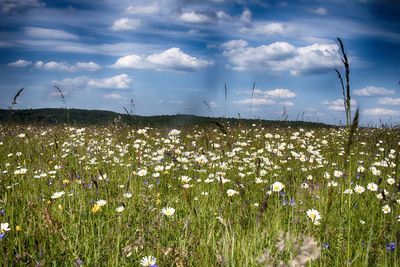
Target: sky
point(176, 56)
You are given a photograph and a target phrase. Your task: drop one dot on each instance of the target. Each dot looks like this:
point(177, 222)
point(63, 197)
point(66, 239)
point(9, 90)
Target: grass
point(253, 227)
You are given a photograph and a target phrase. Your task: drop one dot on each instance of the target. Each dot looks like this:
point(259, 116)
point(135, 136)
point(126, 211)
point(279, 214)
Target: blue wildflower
point(391, 246)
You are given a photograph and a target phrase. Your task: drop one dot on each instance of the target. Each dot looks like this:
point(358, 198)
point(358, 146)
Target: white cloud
point(143, 10)
point(381, 112)
point(319, 11)
point(273, 28)
point(246, 16)
point(120, 81)
point(338, 104)
point(373, 91)
point(9, 6)
point(63, 66)
point(282, 56)
point(280, 93)
point(267, 97)
point(195, 17)
point(171, 59)
point(113, 96)
point(45, 33)
point(125, 24)
point(255, 102)
point(20, 63)
point(389, 101)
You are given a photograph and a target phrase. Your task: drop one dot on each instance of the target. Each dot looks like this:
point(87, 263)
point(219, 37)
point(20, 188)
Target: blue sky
point(170, 56)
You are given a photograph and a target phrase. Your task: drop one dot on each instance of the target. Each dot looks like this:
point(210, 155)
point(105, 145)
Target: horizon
point(175, 56)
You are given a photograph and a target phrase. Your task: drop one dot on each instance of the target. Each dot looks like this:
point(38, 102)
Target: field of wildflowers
point(202, 196)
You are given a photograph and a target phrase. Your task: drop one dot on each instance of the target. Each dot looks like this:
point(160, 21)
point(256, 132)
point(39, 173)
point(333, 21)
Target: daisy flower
point(120, 209)
point(57, 195)
point(372, 187)
point(277, 186)
point(314, 216)
point(101, 202)
point(359, 189)
point(168, 211)
point(386, 209)
point(231, 192)
point(149, 261)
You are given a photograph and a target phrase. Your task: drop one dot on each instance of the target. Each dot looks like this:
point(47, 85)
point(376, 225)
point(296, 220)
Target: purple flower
point(326, 245)
point(2, 212)
point(79, 262)
point(391, 246)
point(154, 265)
point(2, 235)
point(292, 201)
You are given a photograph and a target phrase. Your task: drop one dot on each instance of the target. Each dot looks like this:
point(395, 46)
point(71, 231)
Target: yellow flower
point(66, 181)
point(18, 228)
point(96, 208)
point(60, 207)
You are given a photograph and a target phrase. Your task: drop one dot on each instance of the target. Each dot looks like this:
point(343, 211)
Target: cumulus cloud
point(195, 17)
point(45, 33)
point(63, 66)
point(282, 56)
point(338, 104)
point(125, 24)
point(143, 10)
point(381, 112)
point(389, 101)
point(280, 93)
point(120, 81)
point(10, 6)
point(373, 91)
point(171, 59)
point(20, 63)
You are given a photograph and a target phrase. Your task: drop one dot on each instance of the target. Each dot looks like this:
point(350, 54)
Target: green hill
point(81, 116)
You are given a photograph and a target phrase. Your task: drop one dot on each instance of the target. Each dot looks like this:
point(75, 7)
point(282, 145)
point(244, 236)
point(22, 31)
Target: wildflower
point(372, 187)
point(391, 181)
point(57, 195)
point(2, 212)
point(149, 261)
point(127, 195)
point(20, 171)
point(359, 189)
point(337, 173)
point(362, 222)
point(277, 186)
point(65, 181)
point(314, 216)
point(391, 246)
point(231, 192)
point(101, 202)
point(4, 227)
point(168, 211)
point(18, 228)
point(348, 191)
point(96, 208)
point(142, 172)
point(386, 209)
point(120, 209)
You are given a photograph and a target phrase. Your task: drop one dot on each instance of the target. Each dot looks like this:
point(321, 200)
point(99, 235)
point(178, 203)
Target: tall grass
point(193, 171)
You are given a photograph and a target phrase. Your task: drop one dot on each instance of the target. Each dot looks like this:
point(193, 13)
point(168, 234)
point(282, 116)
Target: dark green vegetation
point(97, 117)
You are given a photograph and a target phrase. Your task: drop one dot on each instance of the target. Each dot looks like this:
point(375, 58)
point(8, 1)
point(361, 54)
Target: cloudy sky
point(171, 56)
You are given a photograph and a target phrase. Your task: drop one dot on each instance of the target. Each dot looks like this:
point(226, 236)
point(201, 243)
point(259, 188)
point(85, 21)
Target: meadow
point(220, 195)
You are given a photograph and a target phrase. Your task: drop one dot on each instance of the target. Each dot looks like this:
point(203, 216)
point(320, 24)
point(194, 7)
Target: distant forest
point(102, 117)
